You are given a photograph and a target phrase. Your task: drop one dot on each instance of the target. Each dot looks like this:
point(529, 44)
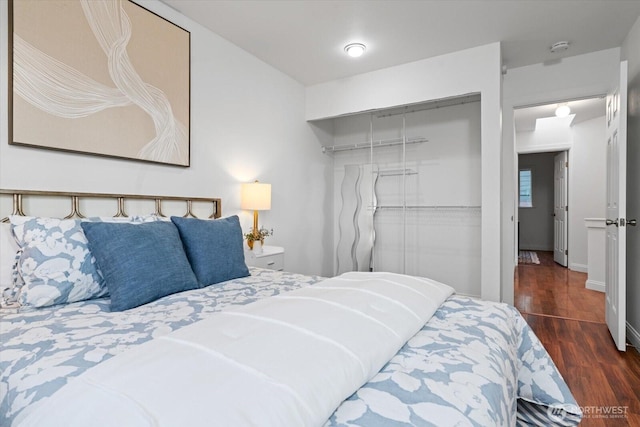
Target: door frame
point(547, 148)
point(517, 191)
point(550, 149)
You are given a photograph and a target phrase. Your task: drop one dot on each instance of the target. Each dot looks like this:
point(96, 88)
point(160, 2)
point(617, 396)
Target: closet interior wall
point(407, 194)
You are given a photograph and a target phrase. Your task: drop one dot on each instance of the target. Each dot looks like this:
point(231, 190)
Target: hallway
point(569, 320)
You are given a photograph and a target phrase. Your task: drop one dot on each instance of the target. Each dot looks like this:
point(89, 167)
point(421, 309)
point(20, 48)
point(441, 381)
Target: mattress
point(473, 363)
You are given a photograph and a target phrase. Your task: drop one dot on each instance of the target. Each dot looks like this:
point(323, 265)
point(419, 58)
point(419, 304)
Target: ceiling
point(305, 38)
point(584, 109)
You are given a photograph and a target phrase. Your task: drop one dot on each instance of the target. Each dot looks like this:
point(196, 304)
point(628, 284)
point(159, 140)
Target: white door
point(560, 253)
point(615, 268)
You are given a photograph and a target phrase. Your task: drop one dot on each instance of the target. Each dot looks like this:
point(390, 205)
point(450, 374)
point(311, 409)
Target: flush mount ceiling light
point(563, 110)
point(559, 46)
point(355, 50)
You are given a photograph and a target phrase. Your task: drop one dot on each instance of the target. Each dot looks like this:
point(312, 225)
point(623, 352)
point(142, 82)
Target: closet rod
point(374, 144)
point(396, 172)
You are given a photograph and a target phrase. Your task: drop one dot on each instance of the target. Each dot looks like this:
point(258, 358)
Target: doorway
point(542, 213)
point(573, 148)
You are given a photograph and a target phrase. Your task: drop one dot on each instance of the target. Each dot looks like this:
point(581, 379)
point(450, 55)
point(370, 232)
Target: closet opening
point(407, 191)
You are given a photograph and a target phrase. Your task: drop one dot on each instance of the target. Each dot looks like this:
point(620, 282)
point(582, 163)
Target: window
point(526, 186)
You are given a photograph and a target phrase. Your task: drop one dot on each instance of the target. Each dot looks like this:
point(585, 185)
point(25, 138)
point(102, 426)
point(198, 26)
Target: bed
point(263, 348)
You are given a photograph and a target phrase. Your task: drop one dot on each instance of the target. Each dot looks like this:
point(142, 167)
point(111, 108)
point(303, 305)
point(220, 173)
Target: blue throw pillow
point(214, 248)
point(140, 263)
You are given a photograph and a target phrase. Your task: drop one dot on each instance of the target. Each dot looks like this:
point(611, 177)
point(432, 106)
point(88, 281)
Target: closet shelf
point(373, 144)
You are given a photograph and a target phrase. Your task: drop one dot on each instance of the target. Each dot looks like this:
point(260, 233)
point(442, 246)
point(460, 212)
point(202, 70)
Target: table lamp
point(255, 196)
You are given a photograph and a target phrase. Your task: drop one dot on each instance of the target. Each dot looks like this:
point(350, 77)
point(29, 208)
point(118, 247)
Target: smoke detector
point(559, 47)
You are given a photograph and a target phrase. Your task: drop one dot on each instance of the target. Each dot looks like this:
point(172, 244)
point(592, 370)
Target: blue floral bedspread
point(474, 363)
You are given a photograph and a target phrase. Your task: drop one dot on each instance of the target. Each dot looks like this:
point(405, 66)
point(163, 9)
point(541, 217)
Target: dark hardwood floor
point(569, 320)
point(550, 289)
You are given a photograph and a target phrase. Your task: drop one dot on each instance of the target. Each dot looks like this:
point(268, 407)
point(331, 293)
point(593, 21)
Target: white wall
point(247, 122)
point(631, 52)
point(587, 186)
point(569, 78)
point(553, 138)
point(469, 71)
point(536, 223)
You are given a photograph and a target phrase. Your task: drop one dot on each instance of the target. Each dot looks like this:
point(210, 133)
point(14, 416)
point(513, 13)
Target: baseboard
point(579, 267)
point(594, 285)
point(535, 248)
point(633, 337)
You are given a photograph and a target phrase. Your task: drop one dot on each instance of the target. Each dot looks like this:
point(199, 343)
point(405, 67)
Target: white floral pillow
point(55, 265)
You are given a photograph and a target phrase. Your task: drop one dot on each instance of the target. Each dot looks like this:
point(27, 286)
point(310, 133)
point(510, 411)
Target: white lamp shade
point(256, 196)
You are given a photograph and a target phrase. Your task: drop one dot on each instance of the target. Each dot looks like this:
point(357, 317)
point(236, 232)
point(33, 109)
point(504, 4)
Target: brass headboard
point(119, 199)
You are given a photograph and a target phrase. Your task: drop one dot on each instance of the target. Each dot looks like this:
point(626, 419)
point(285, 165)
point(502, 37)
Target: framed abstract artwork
point(102, 77)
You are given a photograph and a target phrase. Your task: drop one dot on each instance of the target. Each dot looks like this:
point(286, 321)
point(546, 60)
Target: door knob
point(632, 222)
point(612, 222)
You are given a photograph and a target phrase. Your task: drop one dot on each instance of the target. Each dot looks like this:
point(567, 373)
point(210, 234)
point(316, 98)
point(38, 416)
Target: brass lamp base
point(256, 230)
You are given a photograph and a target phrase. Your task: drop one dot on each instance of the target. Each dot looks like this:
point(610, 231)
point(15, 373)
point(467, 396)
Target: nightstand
point(272, 257)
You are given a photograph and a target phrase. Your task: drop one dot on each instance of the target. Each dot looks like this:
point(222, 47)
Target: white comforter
point(283, 361)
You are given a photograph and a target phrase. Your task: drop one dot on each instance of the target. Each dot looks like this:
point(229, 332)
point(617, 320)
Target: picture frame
point(99, 77)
